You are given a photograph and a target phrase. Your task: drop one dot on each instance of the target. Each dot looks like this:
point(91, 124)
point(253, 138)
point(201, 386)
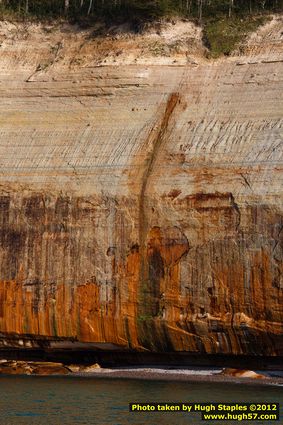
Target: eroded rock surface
point(18, 367)
point(141, 204)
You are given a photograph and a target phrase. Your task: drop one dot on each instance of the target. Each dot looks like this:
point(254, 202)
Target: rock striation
point(141, 193)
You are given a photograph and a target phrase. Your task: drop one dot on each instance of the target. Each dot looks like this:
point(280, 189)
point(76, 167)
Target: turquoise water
point(72, 400)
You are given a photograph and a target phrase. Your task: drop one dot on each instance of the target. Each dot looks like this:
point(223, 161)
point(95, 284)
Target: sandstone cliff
point(141, 189)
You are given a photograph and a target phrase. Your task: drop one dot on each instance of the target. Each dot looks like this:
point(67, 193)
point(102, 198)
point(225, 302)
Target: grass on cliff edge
point(223, 35)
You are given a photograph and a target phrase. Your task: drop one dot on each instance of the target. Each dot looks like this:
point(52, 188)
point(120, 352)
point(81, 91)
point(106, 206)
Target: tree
point(200, 6)
point(231, 7)
point(89, 7)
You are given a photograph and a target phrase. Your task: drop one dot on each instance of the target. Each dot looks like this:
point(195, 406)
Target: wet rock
point(74, 368)
point(48, 368)
point(241, 373)
point(83, 368)
point(15, 367)
point(90, 368)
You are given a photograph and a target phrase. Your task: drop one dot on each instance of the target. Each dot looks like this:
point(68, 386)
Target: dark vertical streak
point(158, 141)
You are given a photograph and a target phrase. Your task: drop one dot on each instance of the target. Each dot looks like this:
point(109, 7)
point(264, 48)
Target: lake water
point(74, 400)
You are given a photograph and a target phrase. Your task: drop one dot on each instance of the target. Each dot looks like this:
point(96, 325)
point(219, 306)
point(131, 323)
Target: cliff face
point(141, 201)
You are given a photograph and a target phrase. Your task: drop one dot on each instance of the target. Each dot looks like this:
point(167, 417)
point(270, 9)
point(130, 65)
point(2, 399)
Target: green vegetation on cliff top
point(225, 22)
point(222, 35)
